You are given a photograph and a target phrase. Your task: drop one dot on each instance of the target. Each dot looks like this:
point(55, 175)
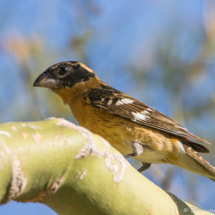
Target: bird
point(135, 129)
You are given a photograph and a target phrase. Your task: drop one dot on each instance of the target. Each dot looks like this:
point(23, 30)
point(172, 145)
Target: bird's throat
point(69, 94)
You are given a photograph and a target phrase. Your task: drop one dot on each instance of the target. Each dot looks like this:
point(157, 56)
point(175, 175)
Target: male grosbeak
point(130, 126)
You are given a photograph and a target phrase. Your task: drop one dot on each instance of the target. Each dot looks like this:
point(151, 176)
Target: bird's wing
point(115, 102)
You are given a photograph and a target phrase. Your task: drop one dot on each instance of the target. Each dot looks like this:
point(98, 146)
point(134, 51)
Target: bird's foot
point(144, 167)
point(137, 150)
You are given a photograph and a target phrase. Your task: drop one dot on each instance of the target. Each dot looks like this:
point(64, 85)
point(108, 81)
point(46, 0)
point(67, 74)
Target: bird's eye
point(63, 71)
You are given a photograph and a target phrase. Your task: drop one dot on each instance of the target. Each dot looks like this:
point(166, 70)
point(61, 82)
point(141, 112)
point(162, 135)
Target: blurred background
point(160, 52)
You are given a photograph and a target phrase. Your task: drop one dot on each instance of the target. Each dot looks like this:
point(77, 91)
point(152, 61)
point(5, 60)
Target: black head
point(64, 74)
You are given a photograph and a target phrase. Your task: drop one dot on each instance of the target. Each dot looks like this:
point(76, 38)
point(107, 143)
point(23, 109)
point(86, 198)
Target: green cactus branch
point(73, 171)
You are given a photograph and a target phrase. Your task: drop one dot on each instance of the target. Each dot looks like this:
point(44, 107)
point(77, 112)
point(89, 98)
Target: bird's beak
point(45, 80)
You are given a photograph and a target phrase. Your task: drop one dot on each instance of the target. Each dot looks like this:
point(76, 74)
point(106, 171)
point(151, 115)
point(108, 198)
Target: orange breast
point(108, 126)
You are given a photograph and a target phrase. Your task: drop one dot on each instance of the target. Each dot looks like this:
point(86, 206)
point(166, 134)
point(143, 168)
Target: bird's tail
point(193, 162)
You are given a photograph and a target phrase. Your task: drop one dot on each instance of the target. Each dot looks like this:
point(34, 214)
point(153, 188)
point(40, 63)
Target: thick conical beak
point(45, 80)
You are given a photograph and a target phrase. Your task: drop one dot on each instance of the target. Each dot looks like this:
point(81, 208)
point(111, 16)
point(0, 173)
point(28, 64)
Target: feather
point(115, 102)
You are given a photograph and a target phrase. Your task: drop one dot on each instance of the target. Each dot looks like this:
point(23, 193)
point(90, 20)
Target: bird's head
point(64, 75)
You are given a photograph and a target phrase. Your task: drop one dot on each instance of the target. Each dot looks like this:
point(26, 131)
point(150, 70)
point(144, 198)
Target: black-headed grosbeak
point(130, 126)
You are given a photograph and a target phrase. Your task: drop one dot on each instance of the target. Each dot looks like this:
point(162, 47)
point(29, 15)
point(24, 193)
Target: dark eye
point(63, 71)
